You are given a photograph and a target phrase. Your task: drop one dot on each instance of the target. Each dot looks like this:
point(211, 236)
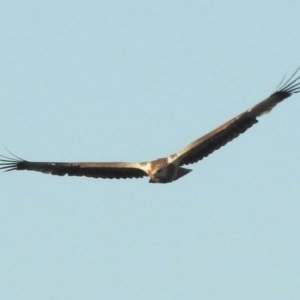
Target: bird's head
point(168, 174)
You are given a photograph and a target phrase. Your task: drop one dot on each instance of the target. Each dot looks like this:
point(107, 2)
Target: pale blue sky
point(134, 81)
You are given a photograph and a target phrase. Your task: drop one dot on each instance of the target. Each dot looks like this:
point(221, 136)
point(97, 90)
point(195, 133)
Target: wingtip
point(291, 85)
point(10, 163)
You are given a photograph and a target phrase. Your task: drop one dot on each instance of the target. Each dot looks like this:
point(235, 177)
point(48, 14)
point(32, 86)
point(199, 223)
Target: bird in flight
point(167, 169)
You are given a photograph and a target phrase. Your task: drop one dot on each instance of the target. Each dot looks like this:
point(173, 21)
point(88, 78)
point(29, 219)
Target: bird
point(170, 168)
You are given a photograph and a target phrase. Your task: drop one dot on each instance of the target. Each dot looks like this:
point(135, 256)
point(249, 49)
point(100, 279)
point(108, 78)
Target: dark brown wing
point(219, 137)
point(97, 170)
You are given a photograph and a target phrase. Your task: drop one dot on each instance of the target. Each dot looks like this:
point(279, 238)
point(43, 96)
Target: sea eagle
point(169, 168)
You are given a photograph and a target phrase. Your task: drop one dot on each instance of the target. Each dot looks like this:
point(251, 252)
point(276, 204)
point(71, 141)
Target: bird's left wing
point(89, 169)
point(219, 137)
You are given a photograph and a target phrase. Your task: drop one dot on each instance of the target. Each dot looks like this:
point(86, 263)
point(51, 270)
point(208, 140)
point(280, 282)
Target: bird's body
point(169, 168)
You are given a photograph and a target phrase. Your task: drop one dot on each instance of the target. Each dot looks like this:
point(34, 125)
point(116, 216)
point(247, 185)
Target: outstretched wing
point(219, 137)
point(97, 170)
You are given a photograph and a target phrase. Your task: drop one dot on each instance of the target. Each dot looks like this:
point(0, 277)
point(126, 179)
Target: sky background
point(135, 81)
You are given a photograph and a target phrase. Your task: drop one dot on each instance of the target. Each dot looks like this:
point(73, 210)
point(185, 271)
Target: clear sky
point(135, 81)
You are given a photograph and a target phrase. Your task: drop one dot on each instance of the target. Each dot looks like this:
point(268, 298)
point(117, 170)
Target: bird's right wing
point(223, 134)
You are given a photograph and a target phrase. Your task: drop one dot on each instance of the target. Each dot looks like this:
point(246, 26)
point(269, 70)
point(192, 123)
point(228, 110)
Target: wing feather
point(97, 170)
point(225, 133)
